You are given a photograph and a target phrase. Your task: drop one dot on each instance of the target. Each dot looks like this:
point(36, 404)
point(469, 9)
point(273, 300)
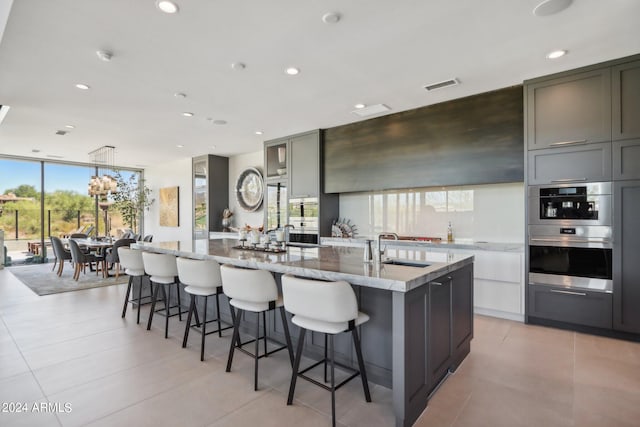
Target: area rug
point(41, 280)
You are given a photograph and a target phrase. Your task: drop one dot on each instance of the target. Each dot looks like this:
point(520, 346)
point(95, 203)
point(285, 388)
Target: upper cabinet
point(295, 159)
point(275, 158)
point(572, 109)
point(626, 100)
point(304, 165)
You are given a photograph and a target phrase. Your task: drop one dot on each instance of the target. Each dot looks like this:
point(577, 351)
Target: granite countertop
point(456, 244)
point(326, 263)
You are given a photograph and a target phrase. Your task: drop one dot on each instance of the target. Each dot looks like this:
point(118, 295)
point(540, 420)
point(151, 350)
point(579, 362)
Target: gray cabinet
point(450, 322)
point(625, 82)
point(626, 159)
point(626, 265)
point(439, 332)
point(462, 313)
point(586, 162)
point(570, 108)
point(575, 306)
point(304, 165)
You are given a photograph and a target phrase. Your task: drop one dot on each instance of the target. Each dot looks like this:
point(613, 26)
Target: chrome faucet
point(380, 249)
point(286, 234)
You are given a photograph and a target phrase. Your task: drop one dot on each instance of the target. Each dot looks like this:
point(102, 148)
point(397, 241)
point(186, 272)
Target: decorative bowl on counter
point(281, 171)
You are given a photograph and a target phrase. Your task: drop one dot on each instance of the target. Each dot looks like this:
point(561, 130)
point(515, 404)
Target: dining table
point(99, 245)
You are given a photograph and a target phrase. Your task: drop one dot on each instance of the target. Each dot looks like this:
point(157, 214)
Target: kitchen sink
point(406, 263)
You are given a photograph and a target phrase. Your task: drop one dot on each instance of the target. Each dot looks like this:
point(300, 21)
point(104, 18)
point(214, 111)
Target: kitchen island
point(421, 315)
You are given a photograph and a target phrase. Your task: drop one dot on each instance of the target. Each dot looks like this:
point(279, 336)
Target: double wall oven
point(570, 236)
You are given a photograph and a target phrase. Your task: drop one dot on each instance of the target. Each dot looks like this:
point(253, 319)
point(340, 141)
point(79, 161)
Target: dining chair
point(81, 259)
point(60, 253)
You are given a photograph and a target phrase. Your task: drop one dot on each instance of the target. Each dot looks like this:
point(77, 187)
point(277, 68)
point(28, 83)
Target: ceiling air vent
point(440, 85)
point(371, 110)
point(61, 132)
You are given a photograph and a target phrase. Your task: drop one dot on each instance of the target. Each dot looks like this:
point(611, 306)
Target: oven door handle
point(534, 239)
point(580, 294)
point(568, 180)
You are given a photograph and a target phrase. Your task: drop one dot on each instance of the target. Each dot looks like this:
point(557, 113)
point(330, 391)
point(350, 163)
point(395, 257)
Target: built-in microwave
point(571, 204)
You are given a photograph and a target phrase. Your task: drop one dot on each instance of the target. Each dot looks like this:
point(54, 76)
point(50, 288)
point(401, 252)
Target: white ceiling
point(381, 51)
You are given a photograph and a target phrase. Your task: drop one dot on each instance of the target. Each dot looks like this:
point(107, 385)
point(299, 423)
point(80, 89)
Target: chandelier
point(103, 184)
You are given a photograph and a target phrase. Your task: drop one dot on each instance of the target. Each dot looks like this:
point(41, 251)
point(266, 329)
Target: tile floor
point(74, 348)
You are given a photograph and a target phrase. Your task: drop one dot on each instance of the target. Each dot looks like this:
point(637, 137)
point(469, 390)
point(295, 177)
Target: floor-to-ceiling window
point(39, 199)
point(20, 216)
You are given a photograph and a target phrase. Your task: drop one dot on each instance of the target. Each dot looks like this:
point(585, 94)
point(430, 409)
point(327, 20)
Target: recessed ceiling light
point(219, 122)
point(104, 55)
point(371, 110)
point(82, 86)
point(187, 114)
point(180, 95)
point(238, 66)
point(258, 132)
point(292, 71)
point(551, 7)
point(180, 146)
point(213, 147)
point(70, 126)
point(359, 106)
point(61, 132)
point(556, 54)
point(331, 18)
point(167, 6)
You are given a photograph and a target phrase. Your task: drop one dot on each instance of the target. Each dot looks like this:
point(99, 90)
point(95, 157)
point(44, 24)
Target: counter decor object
point(343, 228)
point(226, 218)
point(449, 233)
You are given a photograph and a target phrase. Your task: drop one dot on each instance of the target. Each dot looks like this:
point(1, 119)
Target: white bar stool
point(329, 308)
point(255, 291)
point(131, 262)
point(163, 272)
point(202, 278)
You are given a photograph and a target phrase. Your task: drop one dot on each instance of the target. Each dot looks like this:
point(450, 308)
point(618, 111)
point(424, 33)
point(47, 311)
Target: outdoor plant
point(132, 199)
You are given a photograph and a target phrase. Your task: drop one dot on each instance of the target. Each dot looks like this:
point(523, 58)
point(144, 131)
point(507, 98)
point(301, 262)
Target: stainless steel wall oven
point(571, 257)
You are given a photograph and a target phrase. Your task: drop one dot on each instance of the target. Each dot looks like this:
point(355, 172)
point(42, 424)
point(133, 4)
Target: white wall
point(177, 173)
point(237, 164)
point(492, 212)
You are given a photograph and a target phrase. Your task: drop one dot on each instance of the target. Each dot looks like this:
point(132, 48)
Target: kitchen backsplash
point(491, 212)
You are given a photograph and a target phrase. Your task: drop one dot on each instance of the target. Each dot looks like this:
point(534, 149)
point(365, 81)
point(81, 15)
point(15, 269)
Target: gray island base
point(421, 322)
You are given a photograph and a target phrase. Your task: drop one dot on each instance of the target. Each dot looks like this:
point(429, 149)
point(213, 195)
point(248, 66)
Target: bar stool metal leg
point(204, 329)
point(153, 305)
point(287, 336)
point(333, 383)
point(179, 303)
point(139, 299)
point(363, 372)
point(126, 298)
point(167, 298)
point(192, 305)
point(255, 361)
point(235, 339)
point(264, 332)
point(296, 366)
point(217, 310)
